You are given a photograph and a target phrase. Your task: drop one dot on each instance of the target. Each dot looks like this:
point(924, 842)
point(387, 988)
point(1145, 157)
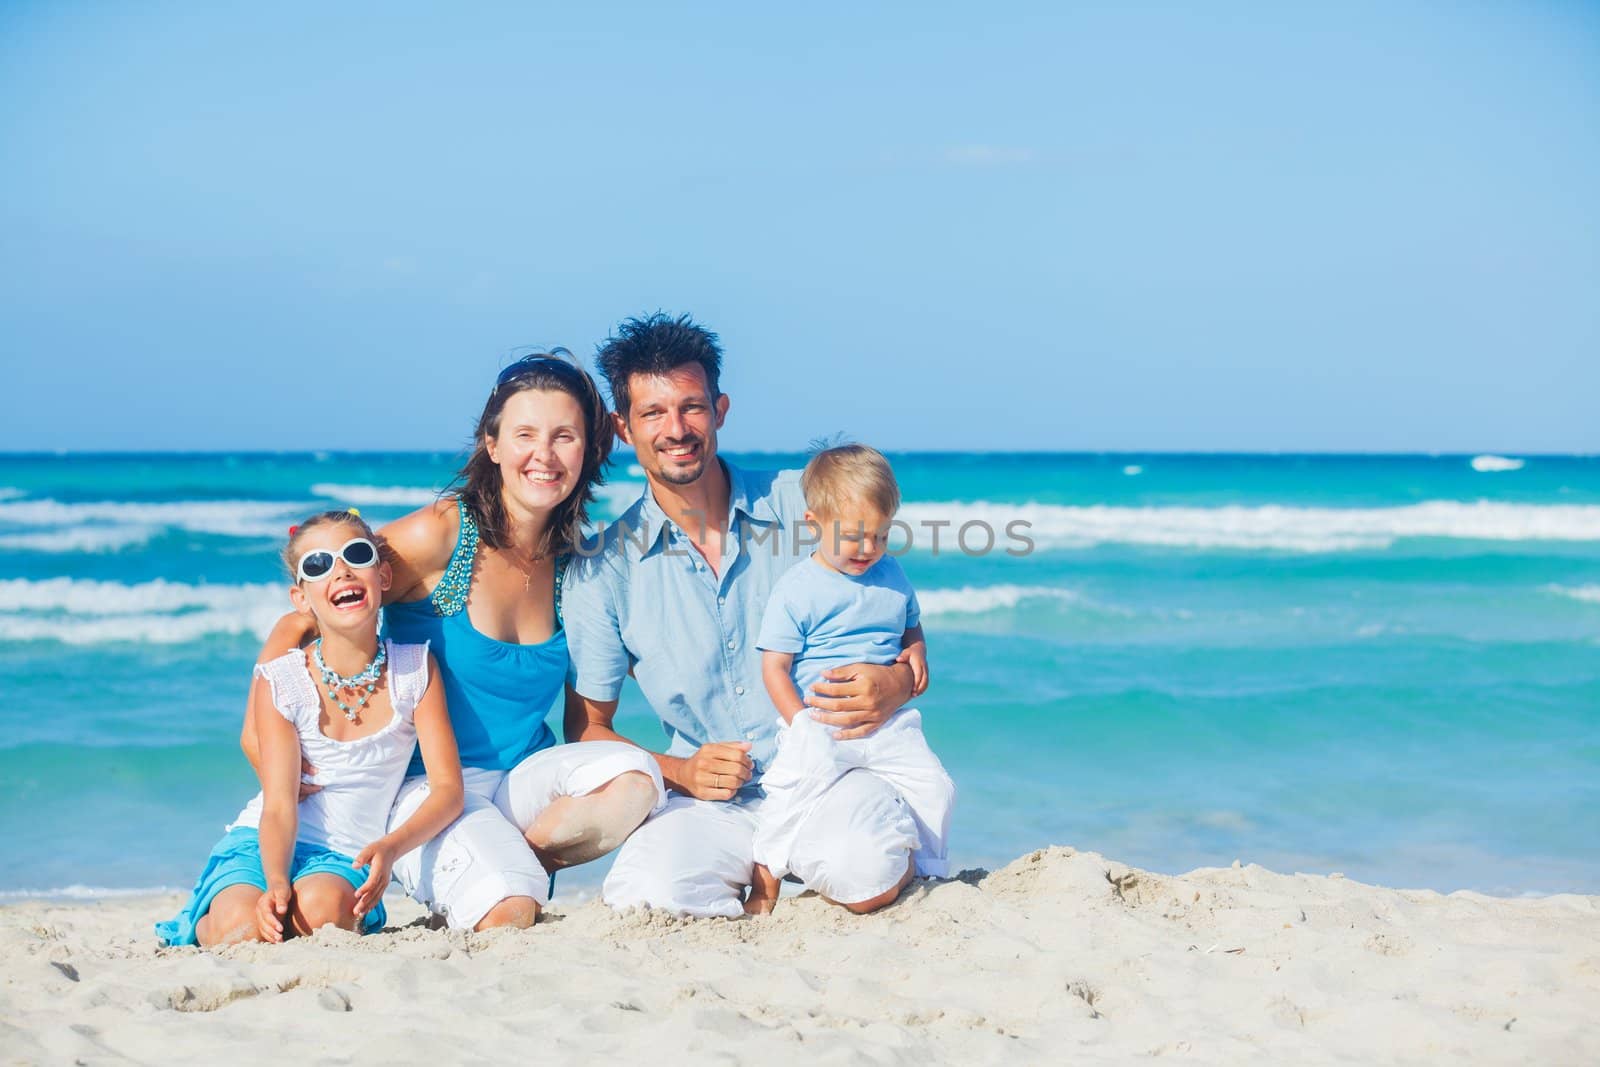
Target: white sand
point(1043, 961)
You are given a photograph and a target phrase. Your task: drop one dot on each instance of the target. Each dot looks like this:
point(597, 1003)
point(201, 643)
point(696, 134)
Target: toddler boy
point(846, 604)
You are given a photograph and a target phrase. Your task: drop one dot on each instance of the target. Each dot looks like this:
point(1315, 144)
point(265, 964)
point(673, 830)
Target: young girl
point(354, 709)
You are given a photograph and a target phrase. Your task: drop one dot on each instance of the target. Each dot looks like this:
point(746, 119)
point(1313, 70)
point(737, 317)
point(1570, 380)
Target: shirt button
point(738, 690)
point(722, 600)
point(751, 734)
point(730, 644)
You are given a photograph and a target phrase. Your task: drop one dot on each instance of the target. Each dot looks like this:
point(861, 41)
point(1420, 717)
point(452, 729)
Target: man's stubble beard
point(682, 477)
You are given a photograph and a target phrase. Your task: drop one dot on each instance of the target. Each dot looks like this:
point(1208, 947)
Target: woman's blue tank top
point(499, 693)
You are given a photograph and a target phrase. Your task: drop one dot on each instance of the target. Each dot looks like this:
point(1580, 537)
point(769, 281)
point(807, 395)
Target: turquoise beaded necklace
point(365, 681)
point(450, 595)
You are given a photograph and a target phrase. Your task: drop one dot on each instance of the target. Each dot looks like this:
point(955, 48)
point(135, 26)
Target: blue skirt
point(236, 860)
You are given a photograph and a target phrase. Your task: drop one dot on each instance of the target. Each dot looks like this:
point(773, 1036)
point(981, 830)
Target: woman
point(477, 576)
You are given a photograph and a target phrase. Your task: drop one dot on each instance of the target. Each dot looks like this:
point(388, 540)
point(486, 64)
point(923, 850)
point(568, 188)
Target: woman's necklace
point(365, 682)
point(526, 568)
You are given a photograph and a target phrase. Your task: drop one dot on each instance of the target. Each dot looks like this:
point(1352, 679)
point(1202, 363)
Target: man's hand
point(860, 698)
point(377, 854)
point(271, 907)
point(716, 771)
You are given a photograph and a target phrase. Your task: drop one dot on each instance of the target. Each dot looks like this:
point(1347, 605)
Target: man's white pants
point(695, 857)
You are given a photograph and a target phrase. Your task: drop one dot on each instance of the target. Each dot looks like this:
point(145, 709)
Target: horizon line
point(1217, 453)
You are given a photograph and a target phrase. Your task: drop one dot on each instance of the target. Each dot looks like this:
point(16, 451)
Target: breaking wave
point(1268, 527)
point(978, 599)
point(136, 629)
point(85, 539)
point(1588, 593)
point(85, 892)
point(82, 612)
point(78, 596)
point(227, 518)
point(375, 495)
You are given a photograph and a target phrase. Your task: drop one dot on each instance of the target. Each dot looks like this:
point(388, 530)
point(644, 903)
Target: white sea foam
point(1496, 464)
point(1132, 469)
point(82, 612)
point(978, 599)
point(228, 518)
point(1588, 593)
point(78, 596)
point(86, 892)
point(404, 496)
point(8, 493)
point(1269, 527)
point(135, 629)
point(81, 539)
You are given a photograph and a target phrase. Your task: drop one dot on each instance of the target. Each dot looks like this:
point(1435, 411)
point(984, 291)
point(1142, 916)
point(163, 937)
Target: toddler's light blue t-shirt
point(828, 619)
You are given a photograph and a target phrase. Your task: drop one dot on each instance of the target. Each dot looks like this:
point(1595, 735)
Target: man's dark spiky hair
point(657, 344)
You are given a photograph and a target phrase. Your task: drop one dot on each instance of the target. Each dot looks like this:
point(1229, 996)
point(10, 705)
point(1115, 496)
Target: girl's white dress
point(359, 778)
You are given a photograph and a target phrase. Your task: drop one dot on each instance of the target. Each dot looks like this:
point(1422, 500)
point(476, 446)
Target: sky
point(1101, 227)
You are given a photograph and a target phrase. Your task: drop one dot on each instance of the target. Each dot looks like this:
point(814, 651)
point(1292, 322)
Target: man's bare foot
point(759, 905)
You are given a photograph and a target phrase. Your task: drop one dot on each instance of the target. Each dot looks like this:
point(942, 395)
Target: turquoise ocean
point(1387, 666)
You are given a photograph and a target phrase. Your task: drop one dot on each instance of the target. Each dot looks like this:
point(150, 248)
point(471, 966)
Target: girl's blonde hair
point(337, 517)
point(843, 475)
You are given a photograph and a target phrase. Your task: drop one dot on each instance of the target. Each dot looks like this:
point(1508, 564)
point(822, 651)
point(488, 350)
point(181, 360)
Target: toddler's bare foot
point(763, 891)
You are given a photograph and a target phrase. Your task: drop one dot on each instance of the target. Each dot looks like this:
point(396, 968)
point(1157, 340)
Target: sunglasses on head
point(530, 364)
point(317, 564)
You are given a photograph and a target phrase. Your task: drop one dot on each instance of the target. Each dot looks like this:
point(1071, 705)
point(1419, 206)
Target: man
point(674, 595)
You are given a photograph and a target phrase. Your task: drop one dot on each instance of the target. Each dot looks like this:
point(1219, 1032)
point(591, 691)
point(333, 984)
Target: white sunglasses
point(317, 564)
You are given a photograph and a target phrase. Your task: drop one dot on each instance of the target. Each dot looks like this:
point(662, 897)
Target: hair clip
point(354, 511)
point(292, 530)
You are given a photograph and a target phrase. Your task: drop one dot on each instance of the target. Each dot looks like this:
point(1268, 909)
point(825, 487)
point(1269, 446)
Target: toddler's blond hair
point(843, 475)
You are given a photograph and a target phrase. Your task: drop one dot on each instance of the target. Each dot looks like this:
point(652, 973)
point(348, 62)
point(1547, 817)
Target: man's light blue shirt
point(645, 599)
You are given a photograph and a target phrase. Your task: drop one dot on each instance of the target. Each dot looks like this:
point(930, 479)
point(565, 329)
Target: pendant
point(361, 700)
